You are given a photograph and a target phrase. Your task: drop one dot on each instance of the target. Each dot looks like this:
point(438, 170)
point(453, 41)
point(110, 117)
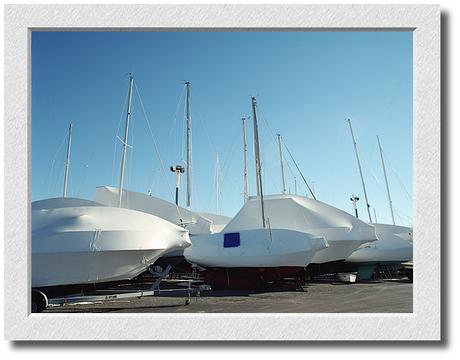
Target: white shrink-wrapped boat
point(255, 248)
point(78, 242)
point(249, 259)
point(394, 245)
point(192, 221)
point(343, 232)
point(252, 250)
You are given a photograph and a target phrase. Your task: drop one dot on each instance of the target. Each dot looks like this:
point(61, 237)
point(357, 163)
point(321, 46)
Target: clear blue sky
point(306, 84)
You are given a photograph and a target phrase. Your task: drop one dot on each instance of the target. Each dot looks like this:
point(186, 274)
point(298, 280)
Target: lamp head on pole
point(177, 169)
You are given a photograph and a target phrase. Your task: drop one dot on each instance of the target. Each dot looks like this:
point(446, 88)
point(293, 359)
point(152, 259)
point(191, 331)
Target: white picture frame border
point(425, 321)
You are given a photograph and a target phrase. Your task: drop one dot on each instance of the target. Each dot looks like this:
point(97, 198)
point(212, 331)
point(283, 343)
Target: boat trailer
point(40, 300)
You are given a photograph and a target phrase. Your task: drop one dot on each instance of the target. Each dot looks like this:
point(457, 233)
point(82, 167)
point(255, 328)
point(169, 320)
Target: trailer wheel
point(39, 301)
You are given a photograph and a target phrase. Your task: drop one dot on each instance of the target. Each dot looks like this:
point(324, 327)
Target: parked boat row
point(121, 233)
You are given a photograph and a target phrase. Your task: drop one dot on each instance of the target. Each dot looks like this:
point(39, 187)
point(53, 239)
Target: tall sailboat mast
point(257, 158)
point(283, 185)
point(67, 161)
point(256, 144)
point(189, 145)
point(217, 178)
point(125, 141)
point(386, 181)
point(245, 162)
point(360, 171)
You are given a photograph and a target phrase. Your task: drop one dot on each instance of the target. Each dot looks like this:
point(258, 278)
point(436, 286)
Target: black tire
point(39, 301)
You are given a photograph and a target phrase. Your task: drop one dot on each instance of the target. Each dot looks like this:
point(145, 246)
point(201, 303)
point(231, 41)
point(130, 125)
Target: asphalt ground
point(370, 297)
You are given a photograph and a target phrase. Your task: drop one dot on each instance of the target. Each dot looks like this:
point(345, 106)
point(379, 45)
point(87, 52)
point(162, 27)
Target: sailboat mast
point(189, 145)
point(283, 185)
point(257, 158)
point(360, 171)
point(125, 141)
point(256, 144)
point(67, 161)
point(217, 182)
point(245, 162)
point(386, 181)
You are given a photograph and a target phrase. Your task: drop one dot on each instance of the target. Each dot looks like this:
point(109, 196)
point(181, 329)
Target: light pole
point(354, 199)
point(178, 170)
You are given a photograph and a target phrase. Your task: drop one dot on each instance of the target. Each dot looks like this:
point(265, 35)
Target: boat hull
point(90, 243)
point(90, 267)
point(338, 250)
point(259, 248)
point(394, 245)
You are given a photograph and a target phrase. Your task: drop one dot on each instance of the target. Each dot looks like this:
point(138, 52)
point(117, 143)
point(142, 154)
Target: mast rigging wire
point(53, 161)
point(404, 218)
point(409, 196)
point(290, 154)
point(173, 127)
point(156, 147)
point(298, 169)
point(116, 135)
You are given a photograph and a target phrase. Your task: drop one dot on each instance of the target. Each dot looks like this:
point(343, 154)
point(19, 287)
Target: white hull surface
point(76, 241)
point(343, 232)
point(257, 248)
point(394, 245)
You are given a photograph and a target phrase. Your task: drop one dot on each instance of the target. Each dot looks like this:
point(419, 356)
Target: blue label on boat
point(231, 240)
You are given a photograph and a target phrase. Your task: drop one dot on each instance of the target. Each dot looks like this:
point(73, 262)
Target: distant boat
point(393, 247)
point(195, 223)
